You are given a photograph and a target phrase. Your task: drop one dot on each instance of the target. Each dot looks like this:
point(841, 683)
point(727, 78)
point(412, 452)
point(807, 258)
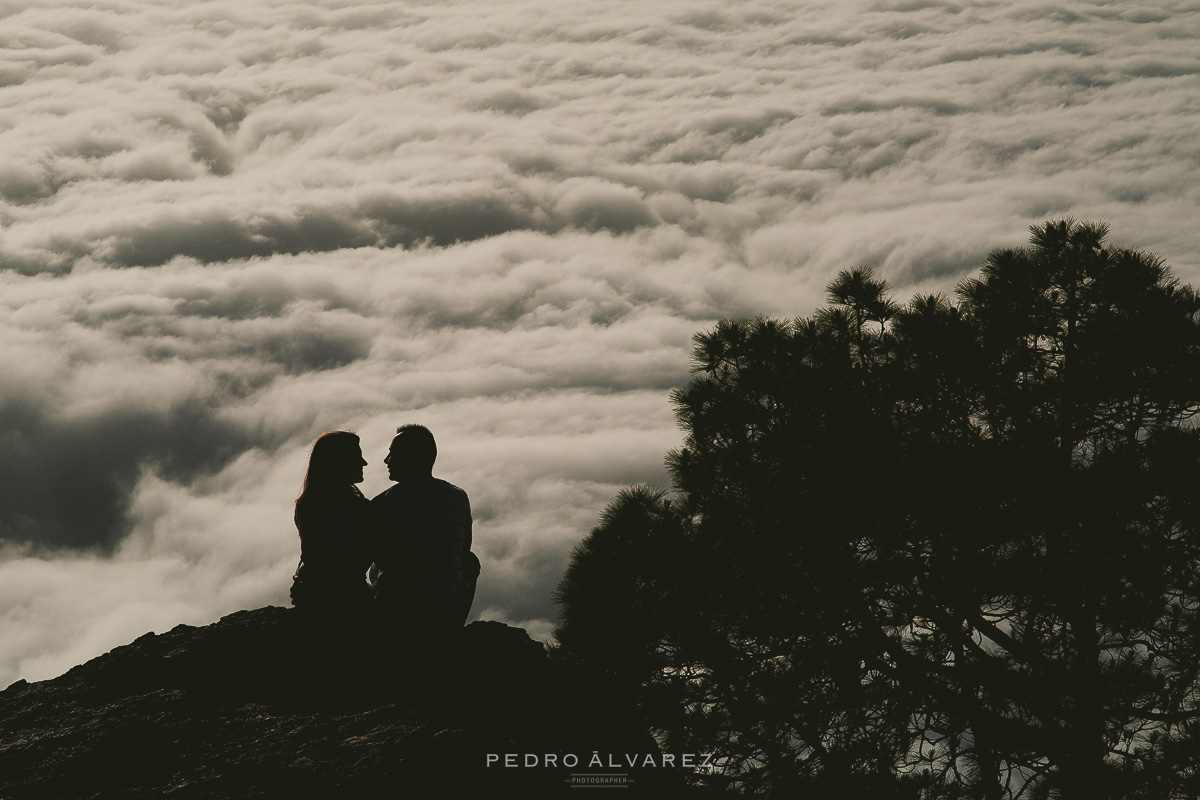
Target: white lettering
point(492, 758)
point(573, 763)
point(510, 759)
point(595, 762)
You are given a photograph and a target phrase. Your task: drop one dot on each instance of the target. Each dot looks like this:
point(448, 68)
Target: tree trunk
point(1081, 771)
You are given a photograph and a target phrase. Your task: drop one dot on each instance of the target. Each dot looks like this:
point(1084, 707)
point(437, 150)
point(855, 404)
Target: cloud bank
point(226, 228)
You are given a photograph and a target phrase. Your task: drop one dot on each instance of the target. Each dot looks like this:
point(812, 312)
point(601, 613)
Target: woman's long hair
point(327, 464)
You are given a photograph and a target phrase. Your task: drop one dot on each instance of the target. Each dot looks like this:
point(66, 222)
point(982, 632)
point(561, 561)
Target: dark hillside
point(261, 705)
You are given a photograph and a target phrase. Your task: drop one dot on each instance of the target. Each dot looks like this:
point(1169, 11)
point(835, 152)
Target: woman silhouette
point(335, 524)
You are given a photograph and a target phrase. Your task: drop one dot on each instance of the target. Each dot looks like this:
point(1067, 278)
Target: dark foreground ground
point(263, 704)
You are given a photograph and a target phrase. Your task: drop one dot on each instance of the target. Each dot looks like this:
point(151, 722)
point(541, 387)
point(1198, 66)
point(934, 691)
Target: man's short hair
point(418, 443)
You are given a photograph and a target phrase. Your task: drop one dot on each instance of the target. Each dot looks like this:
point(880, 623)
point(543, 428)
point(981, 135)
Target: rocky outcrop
point(267, 704)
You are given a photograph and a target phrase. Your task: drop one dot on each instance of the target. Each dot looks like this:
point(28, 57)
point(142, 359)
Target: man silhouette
point(427, 572)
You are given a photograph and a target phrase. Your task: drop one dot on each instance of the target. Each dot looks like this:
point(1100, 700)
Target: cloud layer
point(225, 228)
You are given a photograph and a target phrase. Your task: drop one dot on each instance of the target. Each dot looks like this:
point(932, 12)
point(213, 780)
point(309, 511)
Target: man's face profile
point(395, 457)
point(411, 454)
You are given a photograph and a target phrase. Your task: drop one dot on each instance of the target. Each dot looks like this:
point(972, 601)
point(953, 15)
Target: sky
point(226, 227)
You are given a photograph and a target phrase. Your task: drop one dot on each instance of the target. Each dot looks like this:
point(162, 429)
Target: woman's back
point(334, 549)
point(336, 527)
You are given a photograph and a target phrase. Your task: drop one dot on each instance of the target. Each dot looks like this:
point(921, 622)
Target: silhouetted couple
point(414, 539)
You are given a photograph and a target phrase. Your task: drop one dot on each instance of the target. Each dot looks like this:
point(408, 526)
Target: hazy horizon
point(226, 228)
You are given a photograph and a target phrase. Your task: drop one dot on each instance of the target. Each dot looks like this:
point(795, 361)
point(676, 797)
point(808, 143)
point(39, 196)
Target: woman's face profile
point(355, 464)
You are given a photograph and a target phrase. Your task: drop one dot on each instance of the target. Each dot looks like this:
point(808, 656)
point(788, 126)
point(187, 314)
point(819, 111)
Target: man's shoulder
point(446, 494)
point(410, 490)
point(446, 487)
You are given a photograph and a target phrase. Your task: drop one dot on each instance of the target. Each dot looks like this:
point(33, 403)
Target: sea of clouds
point(226, 227)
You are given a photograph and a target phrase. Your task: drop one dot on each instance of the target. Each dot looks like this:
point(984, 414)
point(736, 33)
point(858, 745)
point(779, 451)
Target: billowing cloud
point(225, 228)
